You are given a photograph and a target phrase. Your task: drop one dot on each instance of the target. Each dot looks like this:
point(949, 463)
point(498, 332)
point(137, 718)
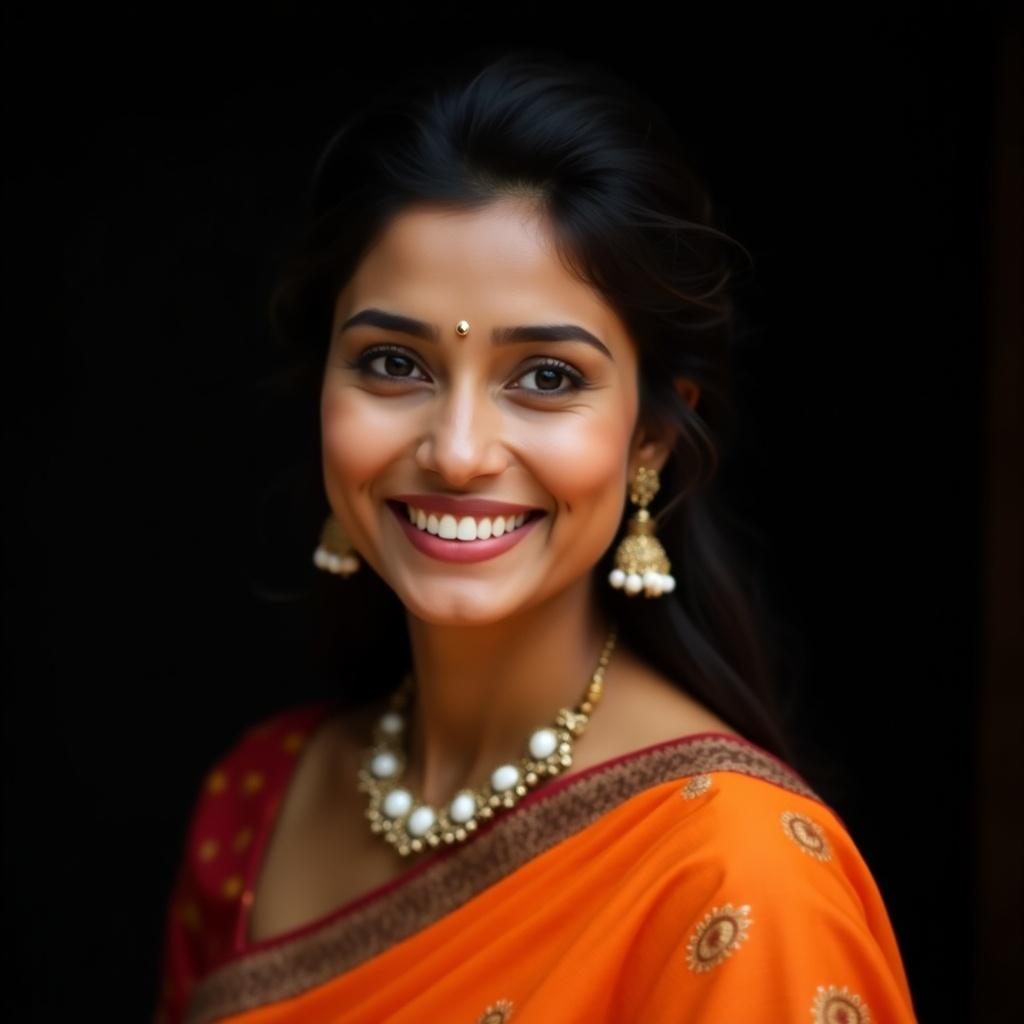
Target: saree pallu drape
point(699, 879)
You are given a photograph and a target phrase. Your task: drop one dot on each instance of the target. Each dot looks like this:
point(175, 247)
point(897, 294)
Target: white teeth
point(448, 527)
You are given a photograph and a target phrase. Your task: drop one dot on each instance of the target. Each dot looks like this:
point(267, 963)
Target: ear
point(651, 445)
point(689, 391)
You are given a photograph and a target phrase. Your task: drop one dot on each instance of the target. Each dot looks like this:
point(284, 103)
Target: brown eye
point(395, 363)
point(549, 373)
point(398, 366)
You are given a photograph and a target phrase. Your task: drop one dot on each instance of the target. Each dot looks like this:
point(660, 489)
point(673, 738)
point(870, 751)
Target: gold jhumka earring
point(335, 553)
point(640, 561)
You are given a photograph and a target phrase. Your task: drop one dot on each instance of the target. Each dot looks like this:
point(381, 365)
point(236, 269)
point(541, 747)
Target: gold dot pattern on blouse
point(834, 1005)
point(208, 849)
point(718, 936)
point(498, 1013)
point(252, 783)
point(232, 886)
point(242, 839)
point(697, 785)
point(217, 782)
point(807, 834)
point(292, 743)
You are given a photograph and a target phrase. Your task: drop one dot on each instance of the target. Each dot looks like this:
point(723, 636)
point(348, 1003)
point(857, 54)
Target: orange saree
point(699, 879)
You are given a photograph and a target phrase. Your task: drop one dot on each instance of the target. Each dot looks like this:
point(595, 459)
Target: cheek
point(581, 464)
point(357, 436)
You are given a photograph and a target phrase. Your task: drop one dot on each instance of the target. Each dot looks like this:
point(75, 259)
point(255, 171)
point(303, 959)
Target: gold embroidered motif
point(718, 936)
point(208, 849)
point(834, 1005)
point(232, 887)
point(697, 785)
point(242, 839)
point(252, 783)
point(293, 742)
point(807, 834)
point(498, 1013)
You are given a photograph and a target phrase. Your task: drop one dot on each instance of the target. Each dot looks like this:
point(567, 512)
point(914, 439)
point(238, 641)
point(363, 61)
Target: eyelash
point(362, 364)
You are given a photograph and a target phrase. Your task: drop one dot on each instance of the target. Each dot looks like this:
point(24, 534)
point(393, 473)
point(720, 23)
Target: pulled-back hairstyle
point(633, 221)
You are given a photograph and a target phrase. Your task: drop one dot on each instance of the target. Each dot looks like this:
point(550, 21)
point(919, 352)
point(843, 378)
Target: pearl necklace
point(411, 825)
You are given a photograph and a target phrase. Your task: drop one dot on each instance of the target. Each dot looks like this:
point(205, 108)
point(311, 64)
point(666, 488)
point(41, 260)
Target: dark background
point(155, 165)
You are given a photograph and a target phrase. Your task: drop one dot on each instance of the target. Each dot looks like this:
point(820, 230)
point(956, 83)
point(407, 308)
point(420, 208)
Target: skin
point(498, 646)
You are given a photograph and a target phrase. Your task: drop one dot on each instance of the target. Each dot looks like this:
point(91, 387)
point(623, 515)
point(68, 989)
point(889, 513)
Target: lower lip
point(461, 550)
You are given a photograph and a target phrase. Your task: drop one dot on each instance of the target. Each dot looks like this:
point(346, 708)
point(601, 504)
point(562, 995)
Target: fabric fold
point(700, 878)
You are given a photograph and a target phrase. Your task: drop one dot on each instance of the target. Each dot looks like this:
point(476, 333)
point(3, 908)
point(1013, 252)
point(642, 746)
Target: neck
point(480, 691)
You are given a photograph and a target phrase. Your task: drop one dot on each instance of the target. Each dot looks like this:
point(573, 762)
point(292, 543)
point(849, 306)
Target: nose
point(462, 439)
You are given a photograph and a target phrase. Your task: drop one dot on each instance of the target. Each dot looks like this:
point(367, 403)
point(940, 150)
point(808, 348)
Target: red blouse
point(231, 821)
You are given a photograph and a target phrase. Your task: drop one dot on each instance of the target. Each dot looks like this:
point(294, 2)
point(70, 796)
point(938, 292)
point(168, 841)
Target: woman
point(566, 793)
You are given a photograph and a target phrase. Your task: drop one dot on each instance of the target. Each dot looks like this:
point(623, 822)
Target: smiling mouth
point(464, 529)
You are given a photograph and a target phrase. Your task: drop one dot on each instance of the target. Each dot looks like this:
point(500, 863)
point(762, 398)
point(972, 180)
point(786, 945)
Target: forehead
point(498, 263)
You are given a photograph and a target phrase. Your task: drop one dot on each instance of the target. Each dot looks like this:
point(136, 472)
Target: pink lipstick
point(462, 550)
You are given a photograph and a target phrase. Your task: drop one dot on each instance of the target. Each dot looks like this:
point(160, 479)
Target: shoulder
point(764, 835)
point(641, 706)
point(239, 789)
point(231, 809)
point(767, 901)
point(245, 778)
point(761, 819)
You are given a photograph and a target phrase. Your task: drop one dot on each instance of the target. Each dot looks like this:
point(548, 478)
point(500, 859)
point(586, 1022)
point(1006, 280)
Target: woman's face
point(465, 417)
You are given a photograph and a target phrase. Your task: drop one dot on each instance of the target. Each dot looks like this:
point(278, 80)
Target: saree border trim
point(345, 940)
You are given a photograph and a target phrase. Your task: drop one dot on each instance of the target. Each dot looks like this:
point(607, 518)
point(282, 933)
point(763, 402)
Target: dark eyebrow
point(499, 336)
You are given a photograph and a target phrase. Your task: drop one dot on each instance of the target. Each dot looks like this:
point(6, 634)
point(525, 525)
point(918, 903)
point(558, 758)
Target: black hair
point(634, 221)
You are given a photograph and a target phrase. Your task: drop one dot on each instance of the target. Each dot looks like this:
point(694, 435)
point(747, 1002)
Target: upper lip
point(463, 506)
